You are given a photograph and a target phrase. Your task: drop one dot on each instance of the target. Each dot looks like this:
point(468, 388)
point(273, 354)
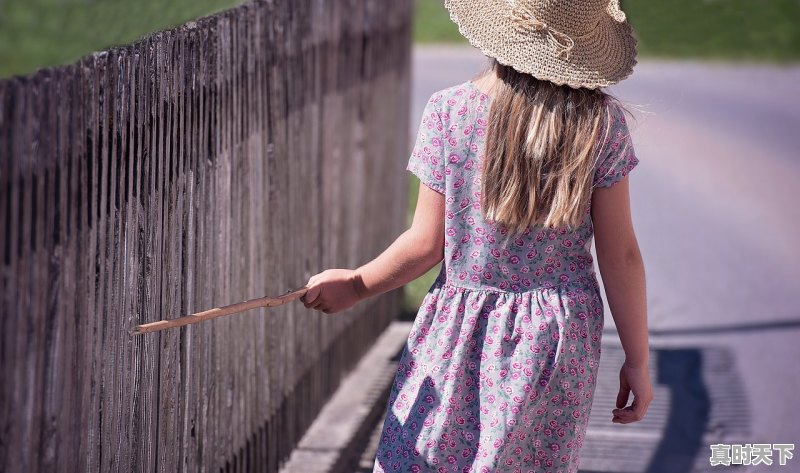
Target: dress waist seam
point(584, 280)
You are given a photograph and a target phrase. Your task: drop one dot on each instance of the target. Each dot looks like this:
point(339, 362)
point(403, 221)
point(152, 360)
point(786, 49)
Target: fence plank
point(229, 158)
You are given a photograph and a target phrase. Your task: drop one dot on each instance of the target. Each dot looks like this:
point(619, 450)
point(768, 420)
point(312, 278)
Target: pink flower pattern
point(498, 372)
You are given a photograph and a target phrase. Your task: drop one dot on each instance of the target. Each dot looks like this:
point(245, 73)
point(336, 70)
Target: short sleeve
point(617, 157)
point(427, 159)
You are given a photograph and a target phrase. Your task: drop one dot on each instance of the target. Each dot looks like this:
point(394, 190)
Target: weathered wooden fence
point(230, 158)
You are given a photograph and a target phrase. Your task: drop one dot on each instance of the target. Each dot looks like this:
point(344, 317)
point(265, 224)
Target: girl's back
point(448, 158)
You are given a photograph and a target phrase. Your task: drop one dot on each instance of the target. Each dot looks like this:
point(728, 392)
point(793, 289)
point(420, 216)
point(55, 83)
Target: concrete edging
point(332, 443)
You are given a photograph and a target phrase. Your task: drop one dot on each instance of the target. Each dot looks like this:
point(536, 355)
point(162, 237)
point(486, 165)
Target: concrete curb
point(332, 443)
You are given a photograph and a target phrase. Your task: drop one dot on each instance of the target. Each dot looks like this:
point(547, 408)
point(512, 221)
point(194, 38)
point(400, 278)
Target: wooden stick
point(220, 311)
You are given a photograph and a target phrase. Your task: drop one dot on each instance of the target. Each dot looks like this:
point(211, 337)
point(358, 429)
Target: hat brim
point(601, 58)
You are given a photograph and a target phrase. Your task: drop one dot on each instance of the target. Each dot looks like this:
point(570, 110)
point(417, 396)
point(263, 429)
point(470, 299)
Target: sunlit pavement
point(716, 204)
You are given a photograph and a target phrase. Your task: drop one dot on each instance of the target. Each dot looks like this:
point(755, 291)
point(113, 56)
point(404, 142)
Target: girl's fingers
point(623, 417)
point(312, 300)
point(633, 413)
point(311, 296)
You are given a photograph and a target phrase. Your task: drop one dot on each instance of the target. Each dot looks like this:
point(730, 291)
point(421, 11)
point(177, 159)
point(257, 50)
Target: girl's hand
point(635, 379)
point(331, 291)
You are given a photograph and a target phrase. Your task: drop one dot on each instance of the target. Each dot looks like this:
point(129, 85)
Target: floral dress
point(498, 372)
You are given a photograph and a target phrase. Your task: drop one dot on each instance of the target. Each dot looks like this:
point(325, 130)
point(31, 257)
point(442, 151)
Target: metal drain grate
point(698, 400)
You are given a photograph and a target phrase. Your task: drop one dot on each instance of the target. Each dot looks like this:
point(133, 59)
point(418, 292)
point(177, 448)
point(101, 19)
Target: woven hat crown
point(571, 17)
point(586, 43)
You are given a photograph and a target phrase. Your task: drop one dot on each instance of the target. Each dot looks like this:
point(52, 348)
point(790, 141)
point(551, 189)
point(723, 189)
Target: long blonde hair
point(540, 150)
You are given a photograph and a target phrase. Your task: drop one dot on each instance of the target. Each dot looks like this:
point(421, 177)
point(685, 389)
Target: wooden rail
point(224, 160)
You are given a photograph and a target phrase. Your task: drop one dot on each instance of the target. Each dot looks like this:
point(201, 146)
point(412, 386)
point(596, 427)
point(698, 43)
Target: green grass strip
point(43, 33)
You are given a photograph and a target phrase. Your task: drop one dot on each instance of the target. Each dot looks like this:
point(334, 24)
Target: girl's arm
point(622, 270)
point(411, 255)
point(414, 252)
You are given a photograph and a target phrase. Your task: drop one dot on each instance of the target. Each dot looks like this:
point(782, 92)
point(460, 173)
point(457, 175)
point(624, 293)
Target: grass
point(753, 30)
point(43, 33)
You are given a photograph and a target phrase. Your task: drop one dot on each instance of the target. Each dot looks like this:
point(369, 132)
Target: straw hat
point(585, 43)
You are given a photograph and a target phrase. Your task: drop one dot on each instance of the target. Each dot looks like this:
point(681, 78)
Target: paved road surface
point(716, 203)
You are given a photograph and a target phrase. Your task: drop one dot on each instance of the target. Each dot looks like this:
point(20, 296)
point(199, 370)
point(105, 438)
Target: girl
point(521, 168)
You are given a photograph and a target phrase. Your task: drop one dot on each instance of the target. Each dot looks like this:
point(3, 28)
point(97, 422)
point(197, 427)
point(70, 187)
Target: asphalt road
point(716, 207)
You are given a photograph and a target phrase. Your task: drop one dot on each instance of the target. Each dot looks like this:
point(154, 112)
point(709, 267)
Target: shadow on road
point(681, 371)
